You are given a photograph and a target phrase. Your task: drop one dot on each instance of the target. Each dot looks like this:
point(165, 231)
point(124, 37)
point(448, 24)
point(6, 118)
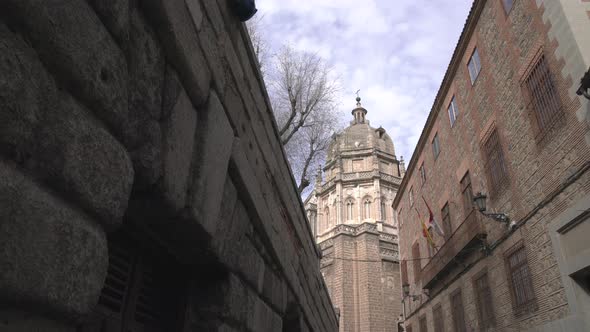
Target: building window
point(422, 324)
point(383, 209)
point(467, 194)
point(435, 146)
point(367, 209)
point(411, 196)
point(404, 271)
point(349, 210)
point(523, 294)
point(453, 111)
point(422, 173)
point(446, 220)
point(474, 66)
point(507, 5)
point(458, 312)
point(495, 163)
point(483, 295)
point(416, 260)
point(437, 317)
point(543, 94)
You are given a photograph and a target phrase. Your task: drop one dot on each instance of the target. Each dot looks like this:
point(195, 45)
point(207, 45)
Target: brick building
point(143, 185)
point(351, 217)
point(507, 122)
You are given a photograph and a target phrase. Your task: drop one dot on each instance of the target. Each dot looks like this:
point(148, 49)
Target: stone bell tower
point(354, 224)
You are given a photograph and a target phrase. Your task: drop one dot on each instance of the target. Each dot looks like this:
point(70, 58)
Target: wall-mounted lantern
point(406, 292)
point(480, 201)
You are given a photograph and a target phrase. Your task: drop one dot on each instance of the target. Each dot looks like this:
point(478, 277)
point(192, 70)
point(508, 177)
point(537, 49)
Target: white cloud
point(396, 52)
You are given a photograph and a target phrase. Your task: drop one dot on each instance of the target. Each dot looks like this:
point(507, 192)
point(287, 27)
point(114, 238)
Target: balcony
point(465, 240)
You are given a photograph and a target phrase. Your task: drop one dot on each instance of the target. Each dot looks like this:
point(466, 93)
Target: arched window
point(383, 209)
point(367, 208)
point(350, 210)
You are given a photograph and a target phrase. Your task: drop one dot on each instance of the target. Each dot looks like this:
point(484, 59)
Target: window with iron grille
point(437, 318)
point(416, 260)
point(446, 220)
point(435, 146)
point(422, 173)
point(458, 312)
point(422, 324)
point(453, 111)
point(467, 193)
point(523, 294)
point(485, 307)
point(543, 94)
point(474, 66)
point(495, 163)
point(142, 290)
point(507, 4)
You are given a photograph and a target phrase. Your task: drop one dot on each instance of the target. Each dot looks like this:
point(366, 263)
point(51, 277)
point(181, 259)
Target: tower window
point(367, 209)
point(474, 66)
point(349, 210)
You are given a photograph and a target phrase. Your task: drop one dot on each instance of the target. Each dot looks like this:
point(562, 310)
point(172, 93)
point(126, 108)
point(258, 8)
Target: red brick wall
point(507, 45)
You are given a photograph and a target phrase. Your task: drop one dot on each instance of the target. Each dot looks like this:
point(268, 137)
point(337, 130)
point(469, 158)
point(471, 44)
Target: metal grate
point(495, 162)
point(543, 94)
point(458, 312)
point(422, 324)
point(437, 317)
point(467, 193)
point(484, 302)
point(446, 221)
point(521, 281)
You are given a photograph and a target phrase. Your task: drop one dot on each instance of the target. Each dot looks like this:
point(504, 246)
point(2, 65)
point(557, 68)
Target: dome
point(360, 135)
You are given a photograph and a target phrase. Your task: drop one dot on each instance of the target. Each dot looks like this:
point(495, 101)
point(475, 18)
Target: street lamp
point(584, 85)
point(480, 201)
point(406, 291)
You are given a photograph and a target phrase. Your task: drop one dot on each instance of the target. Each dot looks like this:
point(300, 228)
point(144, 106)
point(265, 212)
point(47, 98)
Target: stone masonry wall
point(153, 114)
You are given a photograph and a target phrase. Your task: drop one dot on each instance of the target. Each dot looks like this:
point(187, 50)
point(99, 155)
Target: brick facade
point(545, 173)
point(142, 179)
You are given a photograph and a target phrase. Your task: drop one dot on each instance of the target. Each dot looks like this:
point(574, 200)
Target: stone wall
point(360, 265)
point(149, 116)
point(547, 172)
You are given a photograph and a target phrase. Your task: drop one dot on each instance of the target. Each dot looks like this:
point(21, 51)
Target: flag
point(425, 232)
point(433, 221)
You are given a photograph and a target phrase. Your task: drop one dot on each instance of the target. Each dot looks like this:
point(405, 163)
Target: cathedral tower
point(354, 224)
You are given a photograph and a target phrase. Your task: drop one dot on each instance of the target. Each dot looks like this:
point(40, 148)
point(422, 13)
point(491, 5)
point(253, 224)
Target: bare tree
point(307, 149)
point(255, 27)
point(303, 93)
point(301, 86)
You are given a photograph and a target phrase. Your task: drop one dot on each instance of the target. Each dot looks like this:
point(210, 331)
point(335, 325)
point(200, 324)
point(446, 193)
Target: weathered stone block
point(115, 15)
point(178, 145)
point(55, 137)
point(52, 257)
point(212, 159)
point(76, 47)
point(178, 35)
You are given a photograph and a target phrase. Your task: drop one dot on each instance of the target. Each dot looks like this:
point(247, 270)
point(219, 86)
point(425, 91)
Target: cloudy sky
point(395, 51)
